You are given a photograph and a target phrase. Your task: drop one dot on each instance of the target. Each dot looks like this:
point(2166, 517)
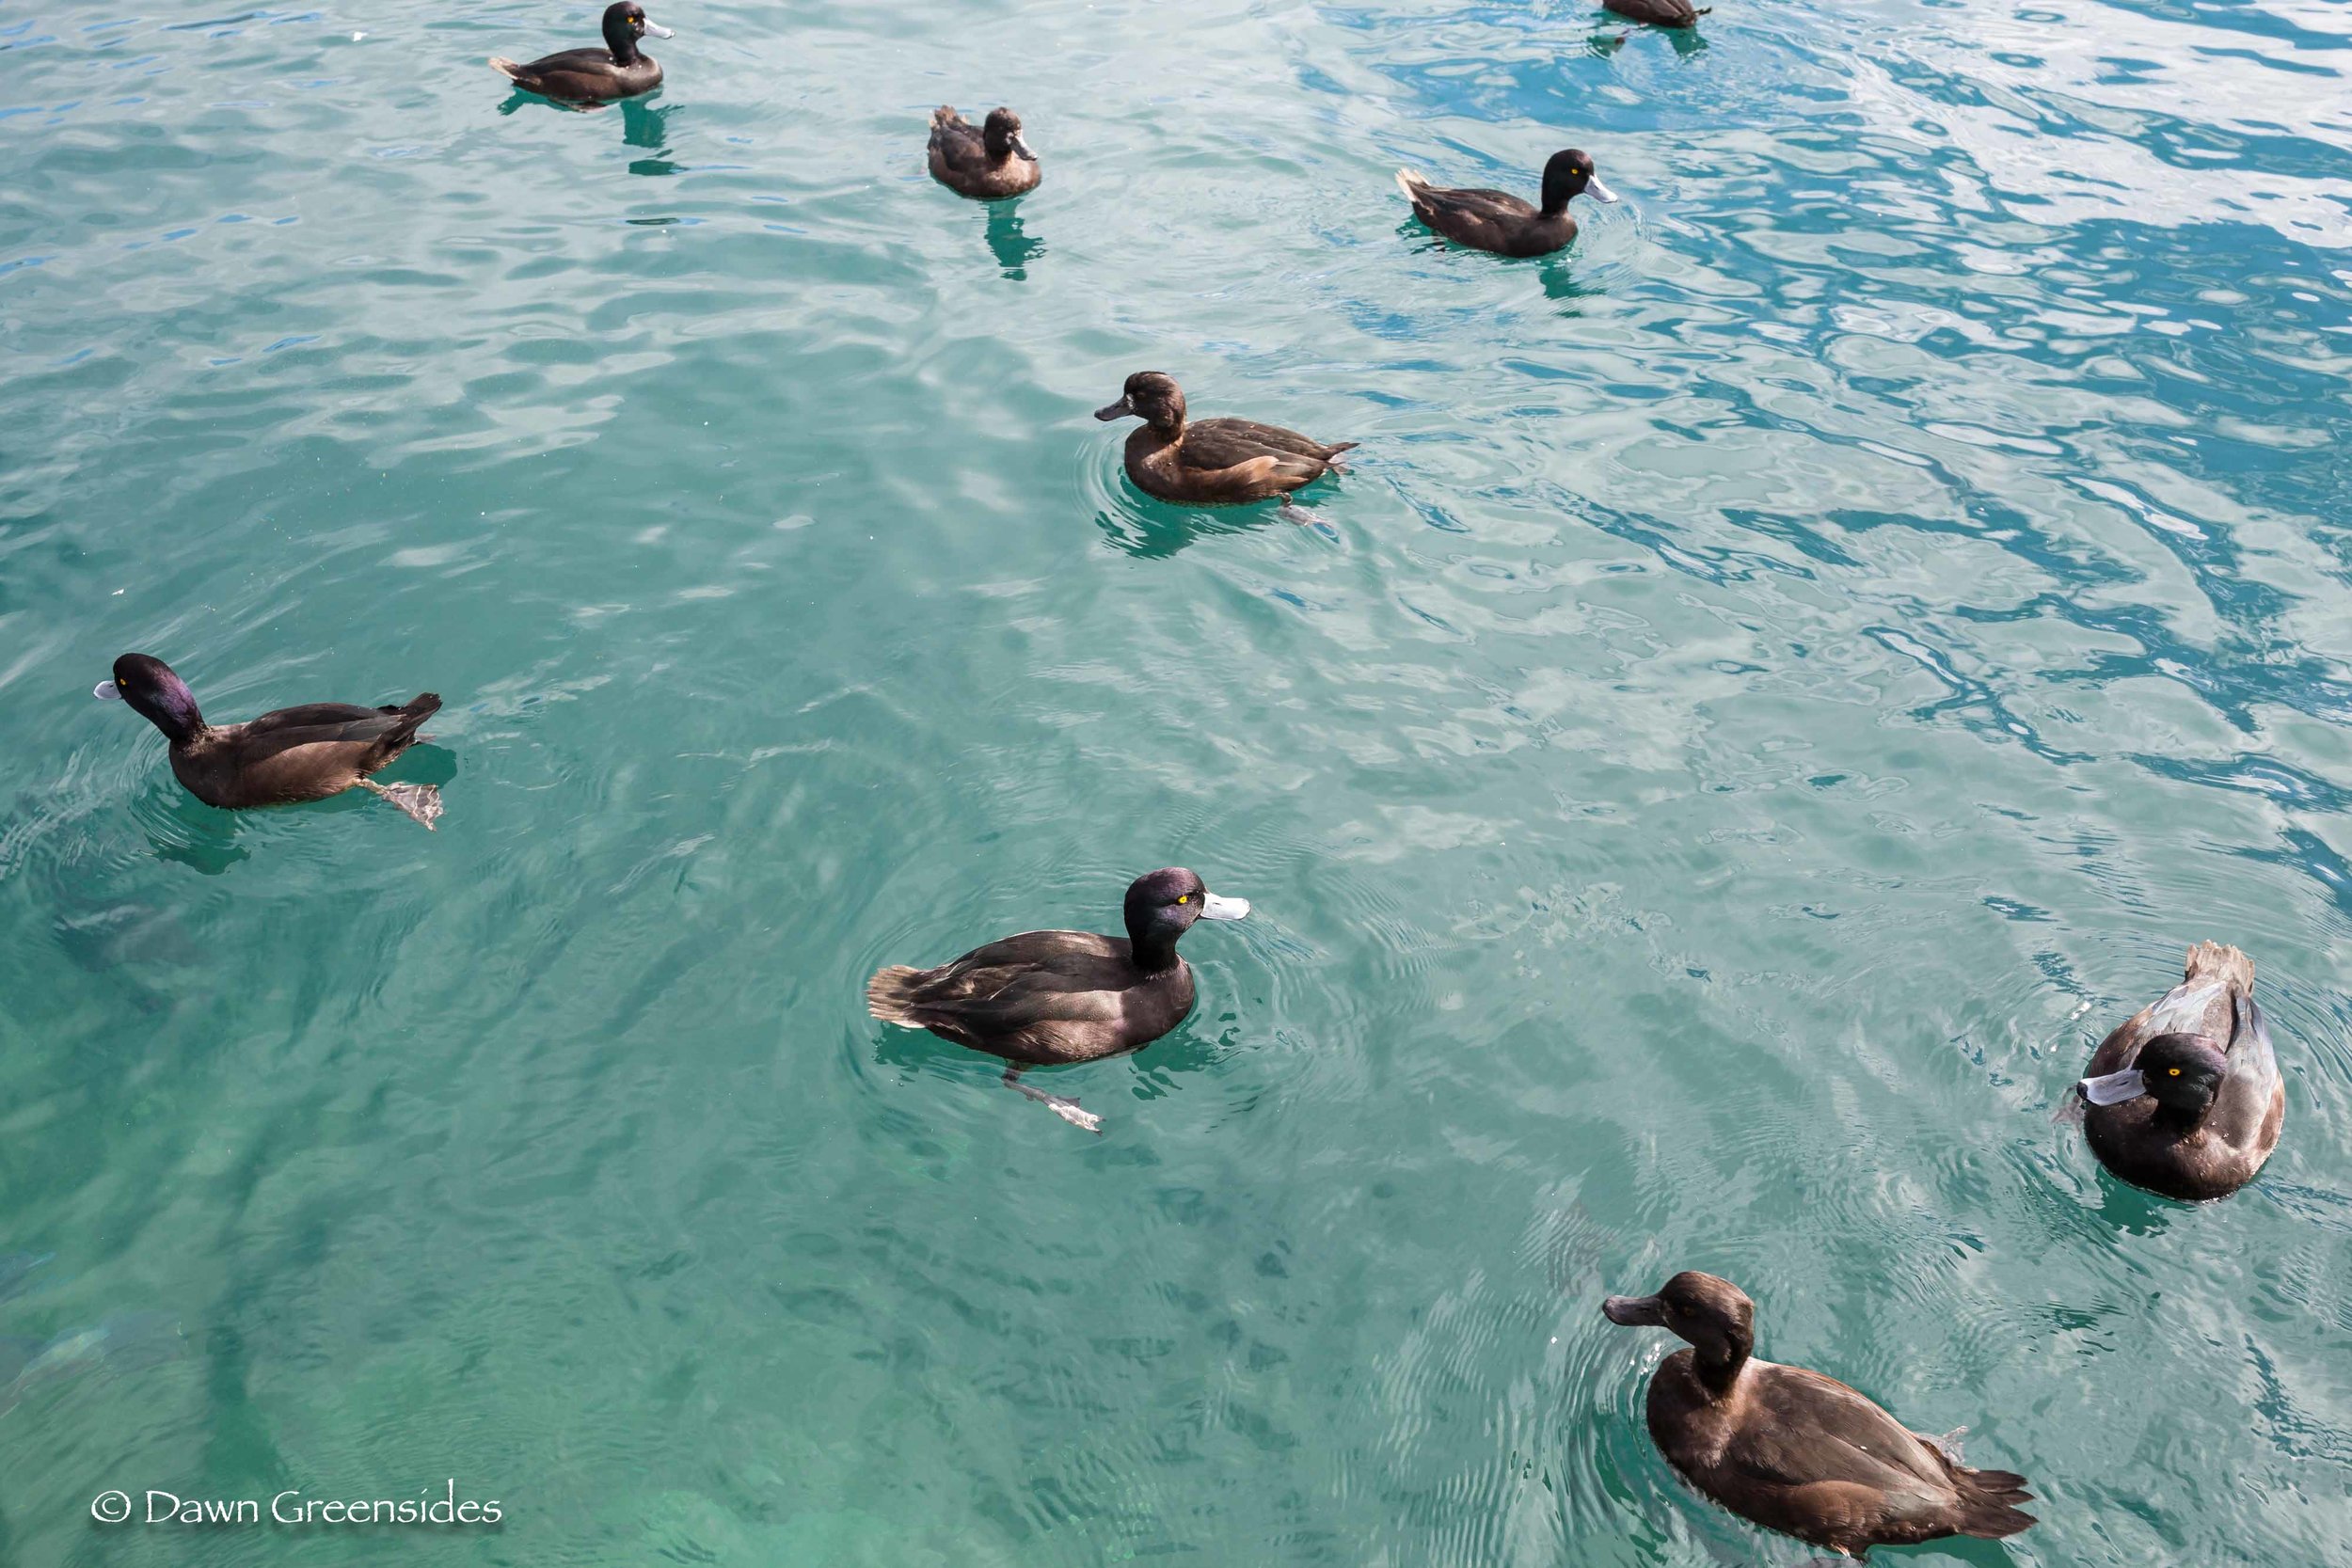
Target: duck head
point(1163, 905)
point(1001, 135)
point(2179, 1072)
point(1569, 175)
point(1714, 1315)
point(624, 22)
point(1153, 397)
point(154, 690)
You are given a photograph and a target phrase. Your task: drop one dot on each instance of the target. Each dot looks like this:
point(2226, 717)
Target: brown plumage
point(594, 76)
point(1047, 997)
point(296, 754)
point(988, 164)
point(1215, 462)
point(2185, 1098)
point(1500, 222)
point(1796, 1451)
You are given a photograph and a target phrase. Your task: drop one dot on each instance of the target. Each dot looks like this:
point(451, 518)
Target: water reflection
point(644, 126)
point(1011, 243)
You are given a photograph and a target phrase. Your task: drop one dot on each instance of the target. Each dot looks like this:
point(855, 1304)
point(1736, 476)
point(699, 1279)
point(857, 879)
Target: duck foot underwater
point(1066, 1109)
point(419, 801)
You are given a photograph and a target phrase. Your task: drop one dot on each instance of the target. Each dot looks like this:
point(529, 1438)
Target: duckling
point(296, 754)
point(1501, 222)
point(1793, 1451)
point(1048, 997)
point(986, 164)
point(594, 76)
point(1658, 13)
point(1214, 462)
point(2186, 1098)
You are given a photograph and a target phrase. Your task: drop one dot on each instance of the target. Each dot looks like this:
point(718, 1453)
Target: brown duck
point(1211, 462)
point(986, 164)
point(594, 76)
point(296, 754)
point(1047, 997)
point(1793, 1451)
point(1501, 222)
point(2185, 1099)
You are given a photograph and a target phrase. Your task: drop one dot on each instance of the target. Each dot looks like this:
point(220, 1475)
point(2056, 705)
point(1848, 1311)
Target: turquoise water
point(1780, 680)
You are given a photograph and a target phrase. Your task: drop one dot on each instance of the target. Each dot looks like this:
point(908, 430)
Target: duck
point(1214, 462)
point(1795, 1451)
point(986, 164)
point(1501, 222)
point(2185, 1098)
point(594, 76)
point(1045, 998)
point(296, 754)
point(1658, 13)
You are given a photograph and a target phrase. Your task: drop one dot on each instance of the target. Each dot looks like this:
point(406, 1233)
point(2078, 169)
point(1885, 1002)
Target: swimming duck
point(1047, 997)
point(2185, 1098)
point(986, 163)
point(1501, 222)
point(594, 76)
point(1793, 1451)
point(1658, 13)
point(1218, 462)
point(296, 754)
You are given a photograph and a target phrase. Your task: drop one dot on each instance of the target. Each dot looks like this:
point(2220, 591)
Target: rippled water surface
point(1780, 680)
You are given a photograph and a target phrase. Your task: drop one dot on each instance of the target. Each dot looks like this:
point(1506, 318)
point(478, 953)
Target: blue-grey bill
point(1597, 191)
point(659, 31)
point(1020, 149)
point(105, 689)
point(1214, 908)
point(2113, 1089)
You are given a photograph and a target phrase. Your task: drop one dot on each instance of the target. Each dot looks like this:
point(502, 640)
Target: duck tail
point(507, 67)
point(412, 714)
point(945, 114)
point(1412, 183)
point(2211, 961)
point(890, 995)
point(1988, 1503)
point(1338, 447)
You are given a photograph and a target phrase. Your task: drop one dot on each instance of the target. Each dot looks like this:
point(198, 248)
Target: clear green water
point(1781, 680)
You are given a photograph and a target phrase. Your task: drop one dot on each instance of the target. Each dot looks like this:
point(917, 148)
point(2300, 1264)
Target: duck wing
point(1658, 13)
point(1483, 218)
point(1853, 1474)
point(2251, 1105)
point(957, 142)
point(567, 73)
point(2204, 1002)
point(1043, 996)
point(1221, 446)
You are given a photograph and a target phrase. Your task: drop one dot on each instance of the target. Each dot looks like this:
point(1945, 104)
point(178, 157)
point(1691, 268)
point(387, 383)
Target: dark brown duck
point(1211, 462)
point(296, 754)
point(1793, 1451)
point(1501, 222)
point(594, 76)
point(986, 164)
point(1048, 997)
point(2185, 1099)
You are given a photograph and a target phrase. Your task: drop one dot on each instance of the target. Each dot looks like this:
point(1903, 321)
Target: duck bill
point(1599, 192)
point(2113, 1089)
point(659, 31)
point(1214, 908)
point(1020, 149)
point(1120, 410)
point(1634, 1311)
point(105, 691)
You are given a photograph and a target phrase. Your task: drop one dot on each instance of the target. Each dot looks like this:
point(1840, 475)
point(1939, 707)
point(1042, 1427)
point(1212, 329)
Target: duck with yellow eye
point(619, 70)
point(1045, 998)
point(2186, 1098)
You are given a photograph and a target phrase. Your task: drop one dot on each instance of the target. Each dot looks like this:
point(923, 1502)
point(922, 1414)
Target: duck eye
point(2174, 1071)
point(1186, 899)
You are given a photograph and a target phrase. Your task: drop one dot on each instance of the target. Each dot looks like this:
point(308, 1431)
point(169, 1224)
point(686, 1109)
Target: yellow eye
point(2174, 1071)
point(1186, 899)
